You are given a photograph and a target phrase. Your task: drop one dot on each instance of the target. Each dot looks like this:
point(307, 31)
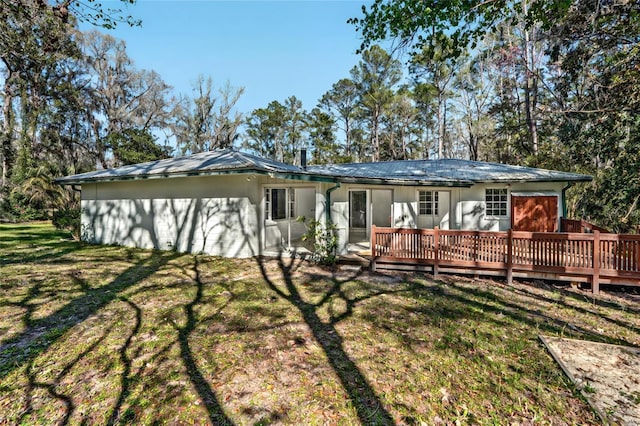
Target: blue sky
point(274, 49)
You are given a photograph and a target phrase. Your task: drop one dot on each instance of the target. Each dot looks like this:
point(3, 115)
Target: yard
point(114, 335)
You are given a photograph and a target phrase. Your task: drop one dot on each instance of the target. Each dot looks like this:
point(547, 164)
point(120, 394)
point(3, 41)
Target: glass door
point(358, 209)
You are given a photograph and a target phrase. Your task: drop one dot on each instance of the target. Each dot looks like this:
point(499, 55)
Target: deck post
point(372, 266)
point(436, 247)
point(595, 279)
point(510, 256)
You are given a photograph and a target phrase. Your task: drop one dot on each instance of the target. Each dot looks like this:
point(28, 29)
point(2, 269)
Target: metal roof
point(445, 172)
point(210, 162)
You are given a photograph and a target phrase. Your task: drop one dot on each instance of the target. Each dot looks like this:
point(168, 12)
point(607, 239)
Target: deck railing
point(580, 226)
point(593, 257)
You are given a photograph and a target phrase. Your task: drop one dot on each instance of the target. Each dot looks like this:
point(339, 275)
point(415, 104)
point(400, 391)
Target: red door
point(537, 213)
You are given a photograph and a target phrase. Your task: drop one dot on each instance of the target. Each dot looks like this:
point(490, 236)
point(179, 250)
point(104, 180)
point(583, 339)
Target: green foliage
point(132, 146)
point(277, 131)
point(67, 219)
point(17, 208)
point(324, 239)
point(423, 25)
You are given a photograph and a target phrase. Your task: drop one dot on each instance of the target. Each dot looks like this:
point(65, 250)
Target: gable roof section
point(444, 172)
point(205, 163)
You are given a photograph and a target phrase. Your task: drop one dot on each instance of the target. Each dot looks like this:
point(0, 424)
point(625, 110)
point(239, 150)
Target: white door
point(434, 209)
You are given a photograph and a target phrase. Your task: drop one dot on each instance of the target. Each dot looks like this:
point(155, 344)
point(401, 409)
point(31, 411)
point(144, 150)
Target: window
point(496, 202)
point(292, 203)
point(275, 203)
point(428, 202)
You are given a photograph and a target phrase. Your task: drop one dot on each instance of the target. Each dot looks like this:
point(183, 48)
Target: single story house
point(234, 204)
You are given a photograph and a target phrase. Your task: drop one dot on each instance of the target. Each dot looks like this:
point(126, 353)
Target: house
point(235, 204)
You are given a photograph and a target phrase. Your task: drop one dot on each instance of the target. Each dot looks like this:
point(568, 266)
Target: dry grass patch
point(117, 335)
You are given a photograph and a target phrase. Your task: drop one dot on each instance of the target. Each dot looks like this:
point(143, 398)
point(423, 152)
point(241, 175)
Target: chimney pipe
point(303, 158)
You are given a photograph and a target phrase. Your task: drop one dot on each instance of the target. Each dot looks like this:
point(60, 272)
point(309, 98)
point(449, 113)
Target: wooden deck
point(583, 257)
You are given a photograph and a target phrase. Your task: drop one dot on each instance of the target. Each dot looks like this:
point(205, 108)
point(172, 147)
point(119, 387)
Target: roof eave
point(273, 174)
point(584, 178)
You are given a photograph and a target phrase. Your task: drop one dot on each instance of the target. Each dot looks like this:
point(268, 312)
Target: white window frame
point(268, 203)
point(496, 202)
point(430, 203)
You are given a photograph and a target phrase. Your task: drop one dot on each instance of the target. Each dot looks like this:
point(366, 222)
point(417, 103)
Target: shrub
point(68, 219)
point(324, 239)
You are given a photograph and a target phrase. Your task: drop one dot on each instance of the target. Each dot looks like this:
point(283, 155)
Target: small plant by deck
point(323, 238)
point(114, 335)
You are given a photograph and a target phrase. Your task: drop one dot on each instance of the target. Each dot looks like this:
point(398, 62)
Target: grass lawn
point(114, 335)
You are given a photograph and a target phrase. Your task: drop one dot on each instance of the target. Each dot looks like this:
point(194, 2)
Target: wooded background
point(551, 83)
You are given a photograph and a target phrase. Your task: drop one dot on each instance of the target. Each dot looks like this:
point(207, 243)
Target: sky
point(274, 49)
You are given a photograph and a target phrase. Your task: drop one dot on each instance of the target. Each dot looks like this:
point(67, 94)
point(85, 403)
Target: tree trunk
point(531, 85)
point(8, 154)
point(441, 118)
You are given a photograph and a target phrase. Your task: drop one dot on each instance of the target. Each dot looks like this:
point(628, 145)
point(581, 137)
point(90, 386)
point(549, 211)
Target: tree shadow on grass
point(41, 333)
point(491, 303)
point(215, 411)
point(577, 299)
point(368, 406)
point(125, 376)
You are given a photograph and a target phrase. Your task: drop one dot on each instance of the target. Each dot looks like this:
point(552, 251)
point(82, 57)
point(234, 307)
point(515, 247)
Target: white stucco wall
point(468, 204)
point(223, 215)
point(459, 208)
point(218, 215)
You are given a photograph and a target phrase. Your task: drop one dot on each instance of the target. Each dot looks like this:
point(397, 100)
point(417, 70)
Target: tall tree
point(433, 71)
point(598, 108)
point(123, 97)
point(342, 102)
point(376, 77)
point(278, 130)
point(265, 131)
point(320, 126)
point(208, 120)
point(34, 36)
point(475, 97)
point(402, 137)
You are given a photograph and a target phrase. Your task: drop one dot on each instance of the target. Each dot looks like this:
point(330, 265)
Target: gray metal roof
point(445, 172)
point(210, 162)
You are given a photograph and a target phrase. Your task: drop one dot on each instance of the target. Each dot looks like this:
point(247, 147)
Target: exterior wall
point(277, 233)
point(469, 207)
point(224, 215)
point(218, 215)
point(459, 208)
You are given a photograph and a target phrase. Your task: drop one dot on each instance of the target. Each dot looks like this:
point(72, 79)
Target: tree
point(277, 131)
point(34, 36)
point(598, 108)
point(376, 77)
point(122, 97)
point(342, 102)
point(401, 132)
point(320, 126)
point(199, 126)
point(133, 146)
point(475, 97)
point(433, 71)
point(294, 122)
point(422, 26)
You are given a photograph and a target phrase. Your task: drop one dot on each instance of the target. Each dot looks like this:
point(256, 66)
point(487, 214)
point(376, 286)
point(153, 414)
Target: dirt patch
point(607, 375)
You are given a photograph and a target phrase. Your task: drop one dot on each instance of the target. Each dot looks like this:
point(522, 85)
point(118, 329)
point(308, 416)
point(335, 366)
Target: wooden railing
point(591, 257)
point(580, 226)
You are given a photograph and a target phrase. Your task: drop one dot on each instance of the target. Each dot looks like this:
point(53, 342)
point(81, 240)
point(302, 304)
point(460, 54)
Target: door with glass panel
point(358, 215)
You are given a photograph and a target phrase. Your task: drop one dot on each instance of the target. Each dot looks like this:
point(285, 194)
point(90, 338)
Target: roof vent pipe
point(303, 158)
